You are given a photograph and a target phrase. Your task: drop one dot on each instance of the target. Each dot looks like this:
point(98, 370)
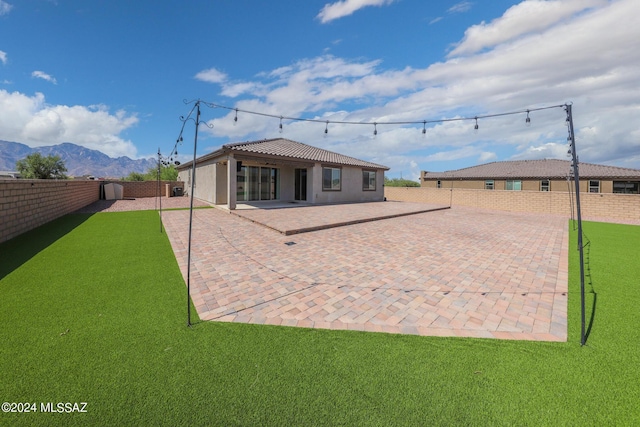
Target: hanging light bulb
point(424, 127)
point(375, 129)
point(476, 127)
point(527, 121)
point(326, 129)
point(235, 119)
point(280, 125)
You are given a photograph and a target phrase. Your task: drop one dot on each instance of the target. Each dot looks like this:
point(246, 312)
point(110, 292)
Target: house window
point(368, 180)
point(489, 184)
point(626, 187)
point(438, 184)
point(331, 179)
point(514, 185)
point(594, 186)
point(545, 185)
point(257, 183)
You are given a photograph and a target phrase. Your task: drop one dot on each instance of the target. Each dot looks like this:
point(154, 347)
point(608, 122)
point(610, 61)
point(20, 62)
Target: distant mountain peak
point(79, 160)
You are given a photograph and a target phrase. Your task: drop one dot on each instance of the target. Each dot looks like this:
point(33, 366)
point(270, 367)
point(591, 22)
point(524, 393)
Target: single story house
point(536, 175)
point(284, 170)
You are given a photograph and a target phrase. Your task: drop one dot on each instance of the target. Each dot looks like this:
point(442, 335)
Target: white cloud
point(5, 7)
point(44, 76)
point(340, 9)
point(463, 6)
point(31, 121)
point(434, 20)
point(3, 57)
point(486, 156)
point(591, 60)
point(527, 17)
point(211, 75)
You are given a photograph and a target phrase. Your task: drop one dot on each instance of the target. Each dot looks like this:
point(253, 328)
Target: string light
point(476, 127)
point(346, 122)
point(326, 129)
point(375, 129)
point(235, 119)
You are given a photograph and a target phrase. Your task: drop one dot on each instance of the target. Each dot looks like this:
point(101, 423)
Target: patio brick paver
point(456, 272)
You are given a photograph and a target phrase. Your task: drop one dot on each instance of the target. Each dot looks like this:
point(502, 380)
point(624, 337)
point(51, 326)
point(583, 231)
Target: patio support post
point(576, 177)
point(231, 182)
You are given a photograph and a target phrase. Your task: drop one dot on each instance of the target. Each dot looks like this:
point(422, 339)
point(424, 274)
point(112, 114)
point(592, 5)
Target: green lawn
point(93, 309)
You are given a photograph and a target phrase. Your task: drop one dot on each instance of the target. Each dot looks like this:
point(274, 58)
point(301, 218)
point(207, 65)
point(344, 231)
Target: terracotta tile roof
point(296, 150)
point(534, 169)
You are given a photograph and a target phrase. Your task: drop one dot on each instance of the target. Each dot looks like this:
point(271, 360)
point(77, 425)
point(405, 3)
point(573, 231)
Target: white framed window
point(594, 186)
point(489, 184)
point(368, 180)
point(438, 184)
point(331, 179)
point(545, 185)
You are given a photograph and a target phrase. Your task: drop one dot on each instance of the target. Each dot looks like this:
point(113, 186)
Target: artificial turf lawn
point(93, 309)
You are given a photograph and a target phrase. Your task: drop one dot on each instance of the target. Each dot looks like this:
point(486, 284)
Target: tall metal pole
point(193, 180)
point(576, 177)
point(159, 190)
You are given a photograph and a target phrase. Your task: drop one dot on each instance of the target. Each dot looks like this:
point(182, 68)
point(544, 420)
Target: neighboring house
point(284, 170)
point(9, 175)
point(536, 175)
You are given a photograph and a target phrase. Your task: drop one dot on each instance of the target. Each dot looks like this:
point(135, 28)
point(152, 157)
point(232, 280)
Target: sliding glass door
point(258, 183)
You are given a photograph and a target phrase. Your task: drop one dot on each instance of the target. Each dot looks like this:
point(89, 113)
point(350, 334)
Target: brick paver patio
point(455, 272)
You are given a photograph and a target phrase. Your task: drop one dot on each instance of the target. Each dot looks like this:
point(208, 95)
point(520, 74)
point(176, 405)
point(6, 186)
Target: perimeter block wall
point(593, 205)
point(29, 203)
point(139, 189)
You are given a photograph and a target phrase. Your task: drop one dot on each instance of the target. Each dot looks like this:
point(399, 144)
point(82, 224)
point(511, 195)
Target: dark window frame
point(331, 188)
point(633, 186)
point(368, 173)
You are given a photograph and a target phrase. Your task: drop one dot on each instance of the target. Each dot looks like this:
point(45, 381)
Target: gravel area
point(140, 204)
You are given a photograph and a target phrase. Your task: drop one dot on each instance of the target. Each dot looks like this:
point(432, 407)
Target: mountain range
point(78, 160)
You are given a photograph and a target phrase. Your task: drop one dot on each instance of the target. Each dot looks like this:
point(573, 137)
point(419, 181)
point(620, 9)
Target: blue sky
point(112, 75)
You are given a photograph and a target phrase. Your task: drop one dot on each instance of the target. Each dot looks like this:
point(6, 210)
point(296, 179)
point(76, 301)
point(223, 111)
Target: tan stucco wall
point(212, 173)
point(351, 189)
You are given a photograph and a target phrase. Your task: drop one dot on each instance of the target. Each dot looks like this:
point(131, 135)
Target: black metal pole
point(193, 179)
point(159, 191)
point(576, 177)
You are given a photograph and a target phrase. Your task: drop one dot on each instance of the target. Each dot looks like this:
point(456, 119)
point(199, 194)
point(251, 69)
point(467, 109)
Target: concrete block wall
point(27, 204)
point(139, 189)
point(624, 207)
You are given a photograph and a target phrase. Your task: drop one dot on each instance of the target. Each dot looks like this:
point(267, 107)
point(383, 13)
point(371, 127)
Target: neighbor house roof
point(288, 149)
point(533, 169)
